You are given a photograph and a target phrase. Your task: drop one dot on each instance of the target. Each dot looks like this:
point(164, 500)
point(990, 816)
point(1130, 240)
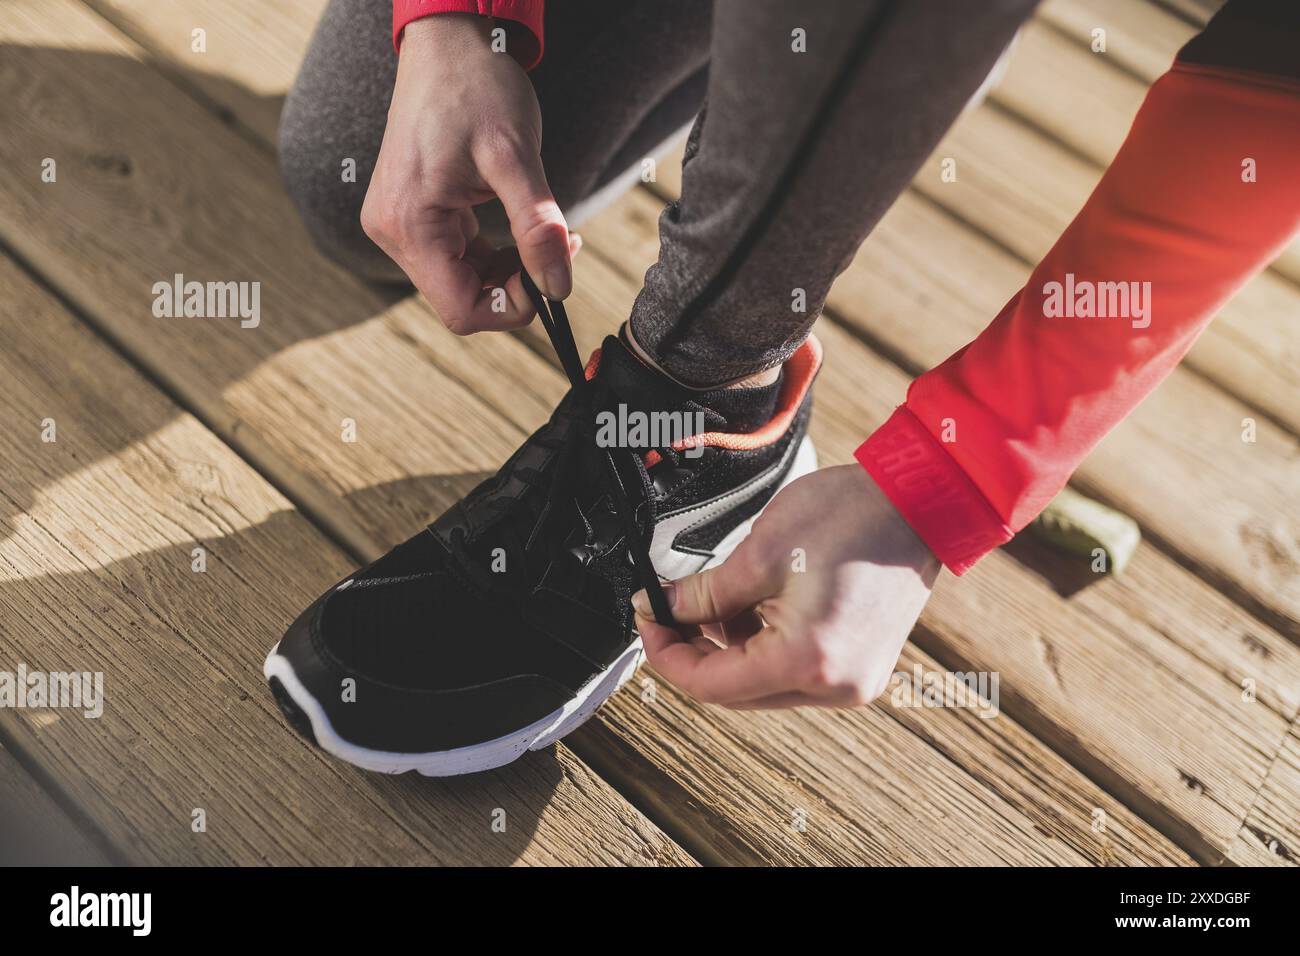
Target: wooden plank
point(240, 72)
point(996, 820)
point(1141, 38)
point(34, 829)
point(1042, 85)
point(1195, 11)
point(96, 575)
point(845, 775)
point(1116, 676)
point(1087, 100)
point(1271, 832)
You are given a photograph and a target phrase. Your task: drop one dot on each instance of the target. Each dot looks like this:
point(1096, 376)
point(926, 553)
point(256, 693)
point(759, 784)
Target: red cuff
point(932, 493)
point(522, 20)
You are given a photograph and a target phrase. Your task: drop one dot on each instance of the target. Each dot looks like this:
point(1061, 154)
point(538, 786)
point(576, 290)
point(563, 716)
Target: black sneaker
point(505, 624)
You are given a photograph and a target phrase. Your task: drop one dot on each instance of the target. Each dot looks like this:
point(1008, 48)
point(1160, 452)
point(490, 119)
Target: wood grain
point(1271, 832)
point(1194, 11)
point(997, 815)
point(1141, 38)
point(97, 575)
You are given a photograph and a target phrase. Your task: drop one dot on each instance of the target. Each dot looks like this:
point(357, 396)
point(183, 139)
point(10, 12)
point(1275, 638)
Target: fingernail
point(575, 243)
point(559, 283)
point(641, 600)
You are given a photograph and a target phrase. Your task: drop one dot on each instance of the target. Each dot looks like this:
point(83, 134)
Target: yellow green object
point(1078, 525)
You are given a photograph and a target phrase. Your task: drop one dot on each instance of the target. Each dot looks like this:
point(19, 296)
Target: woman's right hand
point(464, 127)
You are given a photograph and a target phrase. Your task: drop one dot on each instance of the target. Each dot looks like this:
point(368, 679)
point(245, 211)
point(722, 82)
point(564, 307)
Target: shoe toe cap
point(329, 691)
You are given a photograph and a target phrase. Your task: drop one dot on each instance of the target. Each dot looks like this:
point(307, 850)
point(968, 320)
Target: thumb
point(717, 594)
point(536, 222)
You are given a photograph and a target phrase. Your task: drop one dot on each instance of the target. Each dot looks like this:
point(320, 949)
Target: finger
point(729, 591)
point(496, 266)
point(455, 289)
point(454, 286)
point(536, 222)
point(757, 668)
point(469, 225)
point(707, 645)
point(734, 630)
point(430, 251)
point(742, 627)
point(503, 307)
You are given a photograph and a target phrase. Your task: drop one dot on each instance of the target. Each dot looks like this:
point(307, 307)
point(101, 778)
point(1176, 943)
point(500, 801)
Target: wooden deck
point(1124, 697)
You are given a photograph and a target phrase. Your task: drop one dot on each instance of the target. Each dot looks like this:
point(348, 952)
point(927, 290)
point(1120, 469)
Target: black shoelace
point(556, 322)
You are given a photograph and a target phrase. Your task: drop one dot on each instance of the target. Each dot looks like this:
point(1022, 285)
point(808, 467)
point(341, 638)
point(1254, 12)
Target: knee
point(327, 184)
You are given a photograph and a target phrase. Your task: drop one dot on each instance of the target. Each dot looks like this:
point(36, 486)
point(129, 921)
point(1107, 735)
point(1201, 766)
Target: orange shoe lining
point(800, 370)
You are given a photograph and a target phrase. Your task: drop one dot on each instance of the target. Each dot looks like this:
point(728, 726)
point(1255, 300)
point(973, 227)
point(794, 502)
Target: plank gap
point(86, 828)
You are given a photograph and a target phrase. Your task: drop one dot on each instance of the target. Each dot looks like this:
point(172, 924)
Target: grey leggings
point(819, 113)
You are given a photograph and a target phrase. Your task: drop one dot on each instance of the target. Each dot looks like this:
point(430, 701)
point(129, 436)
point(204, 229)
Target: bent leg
point(800, 154)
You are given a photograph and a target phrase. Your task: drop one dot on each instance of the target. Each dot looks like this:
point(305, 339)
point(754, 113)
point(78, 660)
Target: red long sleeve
point(523, 20)
point(1176, 226)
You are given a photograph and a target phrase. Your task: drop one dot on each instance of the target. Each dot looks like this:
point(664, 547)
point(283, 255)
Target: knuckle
point(860, 687)
point(454, 322)
point(844, 683)
point(819, 670)
point(775, 551)
point(699, 592)
point(751, 560)
point(371, 224)
point(541, 223)
point(859, 693)
point(378, 220)
point(499, 147)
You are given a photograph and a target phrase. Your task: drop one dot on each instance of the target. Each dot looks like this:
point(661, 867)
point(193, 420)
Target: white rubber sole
point(472, 759)
point(491, 754)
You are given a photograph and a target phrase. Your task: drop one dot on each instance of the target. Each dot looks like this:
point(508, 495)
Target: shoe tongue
point(644, 389)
